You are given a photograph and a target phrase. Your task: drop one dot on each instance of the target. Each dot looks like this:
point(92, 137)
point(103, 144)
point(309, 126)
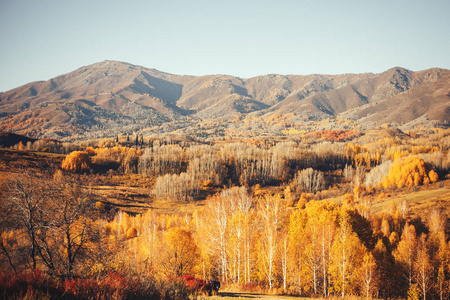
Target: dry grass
point(13, 160)
point(421, 200)
point(138, 200)
point(225, 296)
point(255, 296)
point(337, 199)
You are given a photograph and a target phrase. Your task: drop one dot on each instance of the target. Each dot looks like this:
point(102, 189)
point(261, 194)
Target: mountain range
point(111, 97)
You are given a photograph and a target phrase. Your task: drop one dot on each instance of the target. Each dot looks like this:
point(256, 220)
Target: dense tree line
point(245, 234)
point(182, 169)
point(47, 145)
point(318, 249)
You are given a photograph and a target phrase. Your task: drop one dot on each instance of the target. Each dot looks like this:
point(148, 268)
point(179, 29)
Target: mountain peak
point(397, 69)
point(111, 97)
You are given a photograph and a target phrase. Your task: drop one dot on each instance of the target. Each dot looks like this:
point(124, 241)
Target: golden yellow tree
point(408, 172)
point(237, 228)
point(319, 233)
point(271, 212)
point(347, 254)
point(406, 252)
point(214, 227)
point(368, 274)
point(296, 232)
point(179, 254)
point(422, 267)
point(76, 161)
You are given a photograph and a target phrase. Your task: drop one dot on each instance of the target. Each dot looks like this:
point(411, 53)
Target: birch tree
point(270, 212)
point(406, 252)
point(422, 267)
point(345, 256)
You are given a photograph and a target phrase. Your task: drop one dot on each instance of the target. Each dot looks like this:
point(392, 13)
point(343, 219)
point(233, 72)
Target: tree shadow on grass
point(241, 295)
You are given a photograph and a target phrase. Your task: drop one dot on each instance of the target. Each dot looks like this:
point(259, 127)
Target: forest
point(320, 216)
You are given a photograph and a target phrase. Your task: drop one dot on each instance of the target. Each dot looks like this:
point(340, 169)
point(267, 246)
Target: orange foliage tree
point(408, 172)
point(180, 254)
point(77, 161)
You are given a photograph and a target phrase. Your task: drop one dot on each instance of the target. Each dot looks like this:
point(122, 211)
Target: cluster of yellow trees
point(317, 248)
point(124, 159)
point(408, 172)
point(403, 172)
point(76, 161)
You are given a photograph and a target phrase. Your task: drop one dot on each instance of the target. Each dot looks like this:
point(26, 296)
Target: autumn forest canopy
point(333, 213)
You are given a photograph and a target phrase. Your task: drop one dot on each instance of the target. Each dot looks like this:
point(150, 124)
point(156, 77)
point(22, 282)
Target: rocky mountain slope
point(110, 97)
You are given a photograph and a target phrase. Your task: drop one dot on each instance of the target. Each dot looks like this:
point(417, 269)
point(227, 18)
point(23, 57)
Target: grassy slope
point(422, 200)
point(138, 200)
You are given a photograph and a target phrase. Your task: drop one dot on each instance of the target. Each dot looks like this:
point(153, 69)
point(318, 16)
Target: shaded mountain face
point(8, 139)
point(109, 98)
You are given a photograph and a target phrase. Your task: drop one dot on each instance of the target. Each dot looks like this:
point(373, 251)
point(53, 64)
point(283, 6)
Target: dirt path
point(233, 296)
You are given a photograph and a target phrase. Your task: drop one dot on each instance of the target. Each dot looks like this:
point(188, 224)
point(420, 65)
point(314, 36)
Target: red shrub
point(36, 285)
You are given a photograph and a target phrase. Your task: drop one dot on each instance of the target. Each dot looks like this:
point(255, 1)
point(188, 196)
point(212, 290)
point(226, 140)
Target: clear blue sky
point(42, 39)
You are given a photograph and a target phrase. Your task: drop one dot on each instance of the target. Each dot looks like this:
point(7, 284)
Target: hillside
point(110, 98)
point(8, 139)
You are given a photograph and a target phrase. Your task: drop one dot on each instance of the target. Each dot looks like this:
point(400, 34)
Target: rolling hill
point(110, 97)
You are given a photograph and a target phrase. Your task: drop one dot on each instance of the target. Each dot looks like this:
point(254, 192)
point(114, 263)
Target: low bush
point(37, 285)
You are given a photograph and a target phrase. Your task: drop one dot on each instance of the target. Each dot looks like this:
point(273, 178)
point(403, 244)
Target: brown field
point(138, 200)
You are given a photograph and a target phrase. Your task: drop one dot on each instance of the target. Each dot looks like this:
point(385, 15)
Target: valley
point(119, 181)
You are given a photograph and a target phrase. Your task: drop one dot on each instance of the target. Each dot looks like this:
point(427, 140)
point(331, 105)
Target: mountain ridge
point(111, 97)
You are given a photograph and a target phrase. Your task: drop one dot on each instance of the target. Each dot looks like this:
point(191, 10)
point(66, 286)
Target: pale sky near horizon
point(42, 39)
